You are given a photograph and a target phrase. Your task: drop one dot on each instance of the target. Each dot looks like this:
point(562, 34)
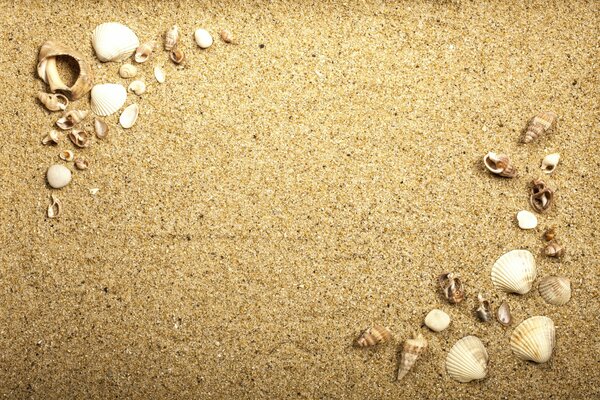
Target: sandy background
point(273, 201)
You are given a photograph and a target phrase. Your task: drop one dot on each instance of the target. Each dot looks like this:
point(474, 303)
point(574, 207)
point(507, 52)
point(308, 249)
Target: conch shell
point(541, 196)
point(47, 70)
point(410, 353)
point(53, 102)
point(499, 164)
point(543, 122)
point(374, 335)
point(484, 311)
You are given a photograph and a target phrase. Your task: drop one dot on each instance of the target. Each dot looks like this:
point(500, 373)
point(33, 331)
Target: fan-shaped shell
point(514, 272)
point(555, 290)
point(467, 360)
point(114, 42)
point(107, 98)
point(533, 339)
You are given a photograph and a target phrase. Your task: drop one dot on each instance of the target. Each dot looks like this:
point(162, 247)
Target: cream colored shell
point(534, 339)
point(114, 42)
point(467, 360)
point(514, 272)
point(555, 290)
point(107, 98)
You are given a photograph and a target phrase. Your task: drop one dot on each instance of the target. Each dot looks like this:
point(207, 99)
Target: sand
point(279, 196)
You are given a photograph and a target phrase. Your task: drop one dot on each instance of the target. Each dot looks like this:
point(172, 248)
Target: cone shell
point(555, 290)
point(533, 339)
point(374, 335)
point(48, 71)
point(499, 164)
point(411, 351)
point(107, 98)
point(514, 272)
point(467, 360)
point(171, 38)
point(114, 42)
point(542, 123)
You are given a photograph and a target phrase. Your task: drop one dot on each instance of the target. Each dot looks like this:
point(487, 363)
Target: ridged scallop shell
point(514, 272)
point(129, 116)
point(114, 42)
point(555, 290)
point(467, 360)
point(533, 339)
point(107, 98)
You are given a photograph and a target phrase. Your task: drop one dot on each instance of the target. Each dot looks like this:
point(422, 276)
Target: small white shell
point(137, 87)
point(159, 74)
point(128, 71)
point(467, 360)
point(514, 272)
point(526, 219)
point(171, 38)
point(555, 290)
point(107, 98)
point(129, 116)
point(533, 339)
point(114, 42)
point(58, 176)
point(550, 162)
point(66, 155)
point(437, 320)
point(143, 52)
point(203, 38)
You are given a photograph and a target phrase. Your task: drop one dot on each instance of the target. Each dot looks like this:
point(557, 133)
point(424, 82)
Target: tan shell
point(550, 162)
point(55, 207)
point(67, 155)
point(52, 138)
point(451, 287)
point(503, 314)
point(176, 55)
point(159, 74)
point(411, 351)
point(542, 123)
point(555, 290)
point(71, 118)
point(467, 360)
point(227, 36)
point(101, 128)
point(550, 233)
point(484, 311)
point(80, 138)
point(374, 335)
point(541, 197)
point(143, 52)
point(81, 163)
point(534, 339)
point(53, 102)
point(128, 71)
point(554, 249)
point(171, 38)
point(129, 116)
point(49, 73)
point(499, 164)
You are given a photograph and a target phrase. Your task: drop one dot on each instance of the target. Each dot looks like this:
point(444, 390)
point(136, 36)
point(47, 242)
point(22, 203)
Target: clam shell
point(533, 339)
point(114, 42)
point(101, 128)
point(107, 98)
point(514, 272)
point(550, 162)
point(555, 290)
point(437, 320)
point(467, 360)
point(58, 176)
point(129, 116)
point(503, 314)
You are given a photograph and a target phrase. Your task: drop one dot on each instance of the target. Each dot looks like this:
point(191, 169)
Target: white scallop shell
point(467, 360)
point(437, 320)
point(107, 98)
point(129, 116)
point(514, 272)
point(533, 339)
point(555, 290)
point(114, 42)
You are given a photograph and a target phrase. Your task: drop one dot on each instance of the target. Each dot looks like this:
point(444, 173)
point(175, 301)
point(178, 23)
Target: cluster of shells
point(533, 339)
point(112, 42)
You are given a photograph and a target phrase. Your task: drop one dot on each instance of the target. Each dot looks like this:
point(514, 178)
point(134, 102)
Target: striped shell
point(555, 290)
point(374, 335)
point(467, 360)
point(533, 339)
point(514, 272)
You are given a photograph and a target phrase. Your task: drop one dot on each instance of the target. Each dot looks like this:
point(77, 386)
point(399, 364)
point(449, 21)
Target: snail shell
point(52, 138)
point(554, 249)
point(542, 123)
point(484, 311)
point(374, 335)
point(452, 287)
point(128, 71)
point(500, 165)
point(71, 118)
point(176, 55)
point(80, 138)
point(541, 197)
point(48, 71)
point(143, 52)
point(53, 102)
point(171, 38)
point(55, 207)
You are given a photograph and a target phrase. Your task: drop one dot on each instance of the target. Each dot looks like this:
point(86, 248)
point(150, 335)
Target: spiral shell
point(542, 123)
point(411, 351)
point(71, 118)
point(499, 164)
point(52, 138)
point(80, 138)
point(541, 196)
point(55, 207)
point(143, 52)
point(550, 162)
point(171, 38)
point(534, 339)
point(48, 71)
point(484, 311)
point(176, 55)
point(128, 71)
point(373, 336)
point(554, 249)
point(53, 102)
point(451, 287)
point(555, 290)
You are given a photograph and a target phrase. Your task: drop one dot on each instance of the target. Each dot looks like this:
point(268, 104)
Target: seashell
point(128, 71)
point(437, 320)
point(81, 164)
point(129, 116)
point(542, 123)
point(227, 36)
point(67, 155)
point(203, 38)
point(159, 74)
point(555, 290)
point(48, 71)
point(554, 249)
point(58, 176)
point(467, 360)
point(541, 196)
point(114, 42)
point(503, 314)
point(550, 233)
point(526, 219)
point(107, 98)
point(514, 272)
point(533, 339)
point(500, 165)
point(171, 38)
point(53, 102)
point(94, 191)
point(176, 55)
point(374, 335)
point(484, 311)
point(452, 287)
point(143, 52)
point(55, 207)
point(411, 351)
point(101, 128)
point(80, 138)
point(52, 138)
point(71, 118)
point(137, 87)
point(550, 162)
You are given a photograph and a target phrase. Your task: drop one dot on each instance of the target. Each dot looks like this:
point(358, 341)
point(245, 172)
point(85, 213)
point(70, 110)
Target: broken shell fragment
point(451, 287)
point(550, 162)
point(159, 74)
point(542, 123)
point(114, 42)
point(203, 38)
point(526, 219)
point(107, 98)
point(554, 249)
point(176, 55)
point(58, 176)
point(94, 191)
point(534, 339)
point(555, 290)
point(48, 71)
point(484, 311)
point(143, 52)
point(411, 351)
point(227, 36)
point(52, 138)
point(437, 320)
point(499, 164)
point(53, 102)
point(71, 118)
point(137, 87)
point(374, 335)
point(128, 71)
point(80, 138)
point(81, 163)
point(503, 314)
point(514, 272)
point(171, 38)
point(66, 155)
point(129, 116)
point(54, 207)
point(541, 197)
point(101, 128)
point(550, 233)
point(467, 360)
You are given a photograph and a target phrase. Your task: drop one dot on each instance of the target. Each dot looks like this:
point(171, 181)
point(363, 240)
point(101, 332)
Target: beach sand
point(278, 196)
